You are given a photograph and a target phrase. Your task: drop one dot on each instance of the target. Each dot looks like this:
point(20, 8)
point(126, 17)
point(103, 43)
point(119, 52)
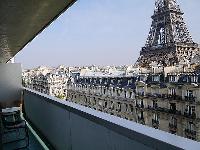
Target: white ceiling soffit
point(22, 20)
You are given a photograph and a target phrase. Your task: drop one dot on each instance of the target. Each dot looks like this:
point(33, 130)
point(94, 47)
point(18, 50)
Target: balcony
point(78, 121)
point(153, 108)
point(190, 98)
point(190, 115)
point(176, 112)
point(65, 125)
point(155, 95)
point(174, 97)
point(166, 110)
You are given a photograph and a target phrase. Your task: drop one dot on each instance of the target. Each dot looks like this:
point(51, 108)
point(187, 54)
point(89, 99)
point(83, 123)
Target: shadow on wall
point(10, 85)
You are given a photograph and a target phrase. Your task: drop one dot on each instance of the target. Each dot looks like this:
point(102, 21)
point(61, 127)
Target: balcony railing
point(190, 98)
point(174, 97)
point(152, 107)
point(173, 111)
point(66, 125)
point(190, 115)
point(166, 110)
point(170, 97)
point(164, 96)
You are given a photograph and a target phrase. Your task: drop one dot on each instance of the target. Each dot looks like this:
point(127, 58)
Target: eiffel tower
point(169, 41)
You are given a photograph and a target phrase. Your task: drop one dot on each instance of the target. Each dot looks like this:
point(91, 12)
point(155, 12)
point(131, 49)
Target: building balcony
point(190, 98)
point(65, 125)
point(168, 111)
point(190, 115)
point(154, 108)
point(174, 97)
point(176, 112)
point(155, 95)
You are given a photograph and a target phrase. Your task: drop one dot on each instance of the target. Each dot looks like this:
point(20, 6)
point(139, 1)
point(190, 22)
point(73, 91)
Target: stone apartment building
point(52, 82)
point(165, 101)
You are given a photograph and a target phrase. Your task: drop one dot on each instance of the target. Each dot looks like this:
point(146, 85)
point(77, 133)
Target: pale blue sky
point(100, 32)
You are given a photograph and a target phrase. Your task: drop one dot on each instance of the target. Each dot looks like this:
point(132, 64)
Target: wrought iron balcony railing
point(190, 115)
point(190, 98)
point(152, 107)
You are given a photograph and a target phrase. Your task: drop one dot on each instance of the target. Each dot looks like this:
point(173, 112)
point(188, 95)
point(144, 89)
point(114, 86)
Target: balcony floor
point(33, 142)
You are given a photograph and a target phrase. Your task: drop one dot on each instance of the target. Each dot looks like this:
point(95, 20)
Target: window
point(190, 126)
point(155, 117)
point(194, 79)
point(172, 91)
point(140, 115)
point(190, 109)
point(141, 91)
point(130, 94)
point(173, 106)
point(189, 93)
point(155, 104)
point(156, 78)
point(173, 121)
point(142, 78)
point(131, 107)
point(129, 82)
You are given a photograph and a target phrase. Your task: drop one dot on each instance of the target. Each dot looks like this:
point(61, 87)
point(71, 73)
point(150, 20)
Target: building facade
point(48, 81)
point(168, 102)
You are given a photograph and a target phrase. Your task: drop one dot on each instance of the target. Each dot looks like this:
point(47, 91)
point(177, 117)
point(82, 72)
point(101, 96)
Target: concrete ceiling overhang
point(22, 20)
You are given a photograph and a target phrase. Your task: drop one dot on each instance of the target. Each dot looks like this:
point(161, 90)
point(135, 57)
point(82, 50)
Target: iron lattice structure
point(168, 36)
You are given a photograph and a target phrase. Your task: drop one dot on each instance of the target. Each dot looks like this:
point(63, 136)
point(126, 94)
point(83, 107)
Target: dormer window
point(129, 82)
point(142, 78)
point(194, 79)
point(173, 79)
point(155, 78)
point(112, 81)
